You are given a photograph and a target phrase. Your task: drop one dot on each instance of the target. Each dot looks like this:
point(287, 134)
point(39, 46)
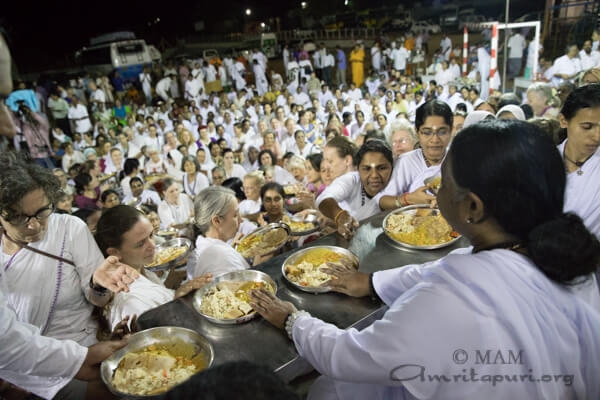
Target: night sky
point(46, 33)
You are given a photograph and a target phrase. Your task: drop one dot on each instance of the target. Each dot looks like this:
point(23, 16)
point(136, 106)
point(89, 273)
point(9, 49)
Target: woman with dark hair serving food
point(407, 186)
point(355, 196)
point(510, 291)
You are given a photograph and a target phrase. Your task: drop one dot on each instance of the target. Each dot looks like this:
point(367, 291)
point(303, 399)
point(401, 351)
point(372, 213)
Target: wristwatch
point(97, 288)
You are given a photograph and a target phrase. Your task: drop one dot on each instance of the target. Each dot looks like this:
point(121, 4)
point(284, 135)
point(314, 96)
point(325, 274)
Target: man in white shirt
point(446, 47)
point(163, 88)
point(146, 81)
point(301, 98)
point(399, 57)
point(328, 62)
point(589, 58)
point(516, 45)
point(78, 115)
point(566, 67)
point(97, 97)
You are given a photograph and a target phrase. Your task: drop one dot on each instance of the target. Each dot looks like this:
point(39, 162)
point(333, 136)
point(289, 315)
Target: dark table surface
point(259, 342)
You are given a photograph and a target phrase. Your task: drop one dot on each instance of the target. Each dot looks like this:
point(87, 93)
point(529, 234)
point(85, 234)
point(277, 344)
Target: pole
point(505, 47)
point(493, 55)
point(465, 51)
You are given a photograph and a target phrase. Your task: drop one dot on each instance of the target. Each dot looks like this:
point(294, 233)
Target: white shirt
point(200, 182)
point(81, 125)
point(582, 193)
point(472, 303)
point(589, 60)
point(249, 207)
point(36, 363)
point(214, 256)
point(175, 214)
point(347, 190)
point(147, 196)
point(145, 293)
point(70, 317)
point(516, 45)
point(410, 172)
point(69, 160)
point(565, 65)
point(236, 172)
point(400, 56)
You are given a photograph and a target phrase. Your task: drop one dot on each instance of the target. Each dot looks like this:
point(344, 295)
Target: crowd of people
point(180, 154)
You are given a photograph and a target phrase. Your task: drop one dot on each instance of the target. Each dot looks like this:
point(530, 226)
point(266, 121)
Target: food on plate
point(307, 269)
point(425, 227)
point(262, 243)
point(298, 226)
point(289, 189)
point(157, 368)
point(435, 183)
point(229, 300)
point(167, 255)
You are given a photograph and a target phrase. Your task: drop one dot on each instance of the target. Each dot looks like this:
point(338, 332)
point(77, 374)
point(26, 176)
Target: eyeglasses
point(22, 219)
point(428, 132)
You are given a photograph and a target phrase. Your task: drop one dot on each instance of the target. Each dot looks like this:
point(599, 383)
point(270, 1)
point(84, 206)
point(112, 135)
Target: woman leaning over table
point(50, 262)
point(124, 232)
point(511, 291)
point(581, 154)
point(407, 186)
point(355, 196)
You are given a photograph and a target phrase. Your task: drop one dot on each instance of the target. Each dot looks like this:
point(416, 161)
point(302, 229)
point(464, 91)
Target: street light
point(248, 11)
point(304, 5)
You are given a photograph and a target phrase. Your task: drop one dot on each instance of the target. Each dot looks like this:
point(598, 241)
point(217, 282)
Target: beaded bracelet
point(291, 318)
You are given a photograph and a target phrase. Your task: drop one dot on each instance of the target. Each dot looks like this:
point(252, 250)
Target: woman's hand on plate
point(270, 307)
point(346, 225)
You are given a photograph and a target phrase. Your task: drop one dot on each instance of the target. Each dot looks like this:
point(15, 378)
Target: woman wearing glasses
point(50, 262)
point(434, 130)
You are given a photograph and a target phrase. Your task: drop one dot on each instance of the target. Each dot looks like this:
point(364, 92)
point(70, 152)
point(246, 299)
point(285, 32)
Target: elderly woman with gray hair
point(403, 137)
point(543, 102)
point(217, 218)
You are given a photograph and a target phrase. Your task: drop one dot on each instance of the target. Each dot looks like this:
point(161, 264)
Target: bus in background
point(267, 42)
point(119, 51)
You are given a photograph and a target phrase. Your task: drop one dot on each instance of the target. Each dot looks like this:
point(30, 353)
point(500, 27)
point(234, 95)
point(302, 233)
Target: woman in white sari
point(581, 153)
point(434, 130)
point(510, 292)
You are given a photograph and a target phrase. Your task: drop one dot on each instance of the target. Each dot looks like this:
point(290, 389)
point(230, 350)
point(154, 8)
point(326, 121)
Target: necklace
point(363, 196)
point(578, 164)
point(512, 245)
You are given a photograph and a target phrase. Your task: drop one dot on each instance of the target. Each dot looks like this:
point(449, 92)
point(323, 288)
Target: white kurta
point(347, 190)
point(145, 293)
point(249, 207)
point(410, 172)
point(38, 364)
point(444, 317)
point(175, 214)
point(200, 182)
point(582, 194)
point(32, 281)
point(214, 256)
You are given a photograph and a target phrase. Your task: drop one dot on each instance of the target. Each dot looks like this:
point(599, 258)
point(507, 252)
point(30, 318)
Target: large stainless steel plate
point(262, 231)
point(411, 210)
point(160, 335)
point(235, 276)
point(294, 259)
point(176, 261)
